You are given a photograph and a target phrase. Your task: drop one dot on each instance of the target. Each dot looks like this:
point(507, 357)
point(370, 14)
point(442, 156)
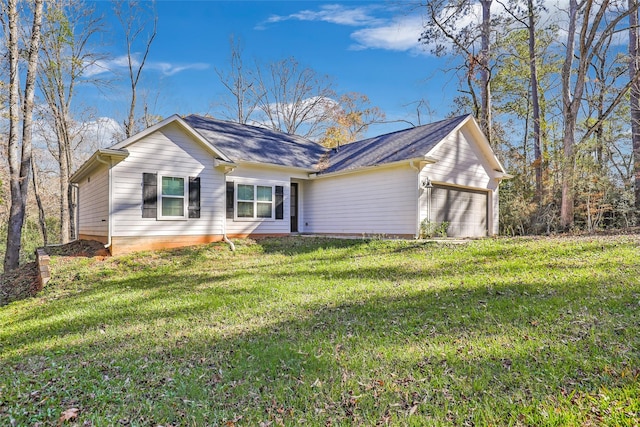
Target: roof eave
point(276, 166)
point(501, 175)
point(87, 167)
point(421, 160)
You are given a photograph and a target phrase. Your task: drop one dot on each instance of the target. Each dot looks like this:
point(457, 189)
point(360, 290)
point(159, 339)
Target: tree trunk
point(20, 168)
point(64, 193)
point(535, 102)
point(568, 138)
point(634, 69)
point(41, 215)
point(129, 12)
point(485, 72)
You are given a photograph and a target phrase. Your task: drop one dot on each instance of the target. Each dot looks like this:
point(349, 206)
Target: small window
point(172, 197)
point(254, 201)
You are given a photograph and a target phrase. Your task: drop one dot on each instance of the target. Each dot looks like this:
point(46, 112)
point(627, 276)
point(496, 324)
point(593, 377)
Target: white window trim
point(255, 202)
point(185, 198)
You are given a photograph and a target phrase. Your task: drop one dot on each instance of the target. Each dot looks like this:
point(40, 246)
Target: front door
point(294, 207)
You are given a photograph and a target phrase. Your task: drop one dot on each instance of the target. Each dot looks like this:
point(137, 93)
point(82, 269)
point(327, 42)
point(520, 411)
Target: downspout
point(417, 198)
point(225, 238)
point(109, 210)
point(76, 189)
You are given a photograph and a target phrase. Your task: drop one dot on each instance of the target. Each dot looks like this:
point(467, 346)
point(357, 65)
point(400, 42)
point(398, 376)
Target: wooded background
point(555, 87)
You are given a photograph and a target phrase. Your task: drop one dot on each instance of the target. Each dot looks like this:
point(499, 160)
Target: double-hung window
point(254, 201)
point(172, 197)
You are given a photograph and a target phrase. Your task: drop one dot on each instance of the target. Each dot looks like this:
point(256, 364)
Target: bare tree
point(594, 25)
point(134, 17)
point(241, 84)
point(445, 32)
point(294, 99)
point(19, 147)
point(67, 31)
point(634, 70)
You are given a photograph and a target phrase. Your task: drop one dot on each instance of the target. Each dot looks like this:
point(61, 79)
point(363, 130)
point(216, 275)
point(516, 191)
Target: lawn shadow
point(209, 347)
point(432, 347)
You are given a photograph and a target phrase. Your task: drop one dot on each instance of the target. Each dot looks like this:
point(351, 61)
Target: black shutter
point(194, 197)
point(230, 197)
point(149, 195)
point(279, 202)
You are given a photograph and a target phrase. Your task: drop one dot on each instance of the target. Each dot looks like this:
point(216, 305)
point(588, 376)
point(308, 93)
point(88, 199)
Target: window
point(172, 200)
point(254, 201)
point(171, 193)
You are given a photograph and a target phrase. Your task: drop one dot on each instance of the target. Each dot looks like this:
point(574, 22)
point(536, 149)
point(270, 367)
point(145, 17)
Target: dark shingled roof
point(391, 147)
point(254, 144)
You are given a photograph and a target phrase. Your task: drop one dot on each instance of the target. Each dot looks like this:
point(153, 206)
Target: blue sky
point(366, 47)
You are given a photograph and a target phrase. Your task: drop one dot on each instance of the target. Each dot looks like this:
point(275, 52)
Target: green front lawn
point(332, 332)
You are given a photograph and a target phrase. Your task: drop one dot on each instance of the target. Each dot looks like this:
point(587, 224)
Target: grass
point(332, 332)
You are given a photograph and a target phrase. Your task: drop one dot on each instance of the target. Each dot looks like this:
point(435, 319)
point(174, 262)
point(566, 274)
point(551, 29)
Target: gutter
point(417, 197)
point(76, 188)
point(422, 161)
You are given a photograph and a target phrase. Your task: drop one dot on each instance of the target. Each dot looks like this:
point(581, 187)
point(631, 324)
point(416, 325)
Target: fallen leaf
point(68, 415)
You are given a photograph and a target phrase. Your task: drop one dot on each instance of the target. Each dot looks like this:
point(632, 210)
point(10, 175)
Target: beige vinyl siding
point(169, 152)
point(461, 164)
point(378, 201)
point(267, 176)
point(93, 210)
point(494, 212)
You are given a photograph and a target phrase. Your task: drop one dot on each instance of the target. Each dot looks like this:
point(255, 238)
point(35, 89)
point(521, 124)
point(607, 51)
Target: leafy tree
point(352, 118)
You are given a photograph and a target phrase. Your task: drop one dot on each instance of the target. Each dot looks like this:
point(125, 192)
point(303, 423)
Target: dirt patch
point(78, 248)
point(19, 284)
point(23, 282)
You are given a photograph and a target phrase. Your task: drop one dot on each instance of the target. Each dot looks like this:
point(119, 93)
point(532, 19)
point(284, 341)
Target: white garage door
point(464, 210)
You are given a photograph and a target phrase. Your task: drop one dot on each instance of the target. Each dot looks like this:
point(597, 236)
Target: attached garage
point(465, 210)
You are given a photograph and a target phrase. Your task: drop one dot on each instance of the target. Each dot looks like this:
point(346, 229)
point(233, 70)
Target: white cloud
point(168, 69)
point(120, 63)
point(401, 34)
point(105, 131)
point(379, 28)
point(332, 13)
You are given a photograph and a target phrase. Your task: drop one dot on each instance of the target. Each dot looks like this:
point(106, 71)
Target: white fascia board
point(91, 163)
point(274, 166)
point(422, 161)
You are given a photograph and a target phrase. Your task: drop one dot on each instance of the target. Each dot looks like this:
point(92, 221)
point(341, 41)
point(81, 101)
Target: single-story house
point(190, 180)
